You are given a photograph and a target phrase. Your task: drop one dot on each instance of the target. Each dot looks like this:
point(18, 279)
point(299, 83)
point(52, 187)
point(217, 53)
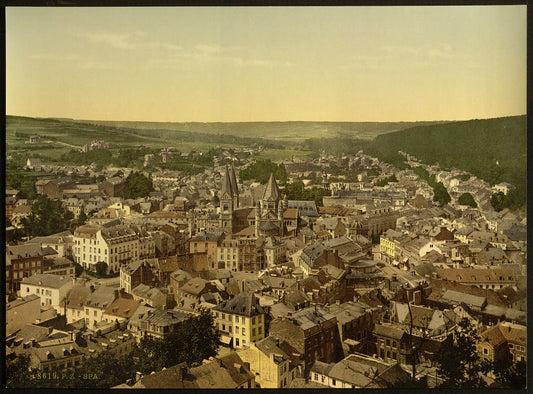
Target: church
point(265, 219)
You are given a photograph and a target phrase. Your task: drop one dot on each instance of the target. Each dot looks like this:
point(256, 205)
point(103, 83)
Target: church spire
point(226, 192)
point(234, 186)
point(271, 193)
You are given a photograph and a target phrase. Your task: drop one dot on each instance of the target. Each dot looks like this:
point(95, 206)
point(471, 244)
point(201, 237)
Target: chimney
point(116, 293)
point(138, 376)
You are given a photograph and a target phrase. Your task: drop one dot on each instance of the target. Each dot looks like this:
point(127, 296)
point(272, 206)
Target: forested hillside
point(492, 149)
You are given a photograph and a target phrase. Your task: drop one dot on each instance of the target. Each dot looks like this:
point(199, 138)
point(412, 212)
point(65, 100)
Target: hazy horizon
point(267, 64)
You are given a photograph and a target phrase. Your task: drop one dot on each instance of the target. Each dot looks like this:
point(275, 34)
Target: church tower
point(226, 203)
point(271, 196)
point(234, 187)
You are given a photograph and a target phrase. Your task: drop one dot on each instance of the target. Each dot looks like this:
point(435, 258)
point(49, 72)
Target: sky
point(236, 64)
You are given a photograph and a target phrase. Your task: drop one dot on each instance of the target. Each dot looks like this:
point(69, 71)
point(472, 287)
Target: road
point(63, 143)
point(114, 282)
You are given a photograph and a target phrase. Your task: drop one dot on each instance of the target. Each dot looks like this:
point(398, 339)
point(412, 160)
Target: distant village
point(302, 295)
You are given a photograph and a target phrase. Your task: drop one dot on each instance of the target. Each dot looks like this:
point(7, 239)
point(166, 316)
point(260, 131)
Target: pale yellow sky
point(266, 63)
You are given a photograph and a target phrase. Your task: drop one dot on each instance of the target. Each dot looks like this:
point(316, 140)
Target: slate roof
point(77, 296)
point(57, 352)
point(227, 372)
point(388, 331)
point(101, 298)
point(243, 304)
point(47, 280)
point(23, 251)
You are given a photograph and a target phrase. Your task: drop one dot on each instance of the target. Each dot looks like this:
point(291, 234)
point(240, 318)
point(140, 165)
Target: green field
point(281, 131)
point(282, 154)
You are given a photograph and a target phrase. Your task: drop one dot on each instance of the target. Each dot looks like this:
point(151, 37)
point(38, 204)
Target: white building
point(228, 255)
point(274, 251)
point(114, 246)
point(51, 289)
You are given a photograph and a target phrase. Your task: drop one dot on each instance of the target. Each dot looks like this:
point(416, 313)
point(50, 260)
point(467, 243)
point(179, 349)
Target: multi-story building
point(60, 242)
point(22, 261)
point(274, 251)
point(113, 187)
point(228, 255)
point(136, 273)
point(358, 371)
point(387, 244)
point(484, 278)
point(312, 332)
point(96, 303)
point(206, 243)
point(273, 367)
point(52, 289)
point(56, 358)
point(240, 319)
point(503, 342)
point(251, 254)
point(53, 188)
point(114, 246)
point(151, 322)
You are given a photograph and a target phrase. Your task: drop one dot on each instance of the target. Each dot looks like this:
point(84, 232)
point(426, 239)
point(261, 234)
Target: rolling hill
point(492, 149)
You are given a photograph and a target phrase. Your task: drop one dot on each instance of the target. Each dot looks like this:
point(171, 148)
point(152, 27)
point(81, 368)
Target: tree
point(459, 364)
point(509, 375)
point(46, 217)
point(195, 340)
point(102, 372)
point(82, 218)
point(137, 185)
point(467, 199)
point(101, 268)
point(498, 201)
point(261, 170)
point(78, 269)
point(18, 372)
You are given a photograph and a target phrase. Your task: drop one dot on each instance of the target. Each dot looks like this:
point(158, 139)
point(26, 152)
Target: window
point(243, 331)
point(322, 378)
point(394, 343)
point(236, 341)
point(236, 319)
point(87, 311)
point(485, 350)
point(334, 382)
point(94, 313)
point(394, 355)
point(223, 327)
point(253, 320)
point(316, 376)
point(253, 332)
point(388, 342)
point(223, 316)
point(260, 330)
